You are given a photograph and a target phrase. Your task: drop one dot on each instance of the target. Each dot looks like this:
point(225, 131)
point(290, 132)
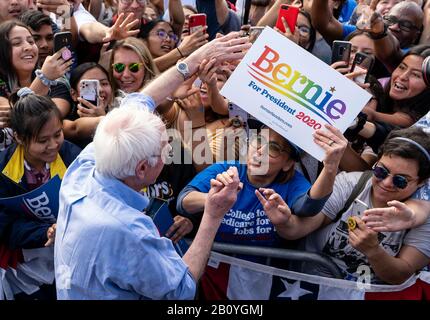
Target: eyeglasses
point(303, 30)
point(403, 24)
point(133, 67)
point(399, 181)
point(162, 34)
point(129, 2)
point(275, 150)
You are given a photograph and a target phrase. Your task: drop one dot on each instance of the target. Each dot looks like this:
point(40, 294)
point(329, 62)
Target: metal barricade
point(279, 253)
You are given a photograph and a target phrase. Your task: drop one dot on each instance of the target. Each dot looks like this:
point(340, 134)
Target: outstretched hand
point(370, 20)
point(230, 47)
point(122, 28)
point(398, 216)
point(274, 206)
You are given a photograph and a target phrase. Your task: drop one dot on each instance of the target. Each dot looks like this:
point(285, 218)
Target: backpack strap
point(358, 188)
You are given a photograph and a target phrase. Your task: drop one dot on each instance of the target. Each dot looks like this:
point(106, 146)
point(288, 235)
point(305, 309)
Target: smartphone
point(290, 14)
point(89, 90)
point(358, 207)
point(238, 116)
point(63, 39)
point(196, 22)
point(341, 51)
point(362, 61)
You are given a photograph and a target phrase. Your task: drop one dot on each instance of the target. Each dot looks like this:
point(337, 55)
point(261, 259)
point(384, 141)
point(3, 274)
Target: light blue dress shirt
point(106, 248)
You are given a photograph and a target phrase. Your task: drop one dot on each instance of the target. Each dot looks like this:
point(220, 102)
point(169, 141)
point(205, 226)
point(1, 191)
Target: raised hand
point(225, 48)
point(288, 34)
point(274, 206)
point(223, 193)
point(122, 28)
point(207, 72)
point(334, 144)
point(370, 20)
point(55, 67)
point(194, 41)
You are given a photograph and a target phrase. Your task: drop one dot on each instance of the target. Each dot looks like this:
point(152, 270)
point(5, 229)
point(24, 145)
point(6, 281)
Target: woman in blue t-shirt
point(270, 164)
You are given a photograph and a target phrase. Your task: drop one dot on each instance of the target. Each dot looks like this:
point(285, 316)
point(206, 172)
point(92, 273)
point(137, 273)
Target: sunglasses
point(133, 67)
point(399, 181)
point(403, 24)
point(162, 34)
point(275, 150)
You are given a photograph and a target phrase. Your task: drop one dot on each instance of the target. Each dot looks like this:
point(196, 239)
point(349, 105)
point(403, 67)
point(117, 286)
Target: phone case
point(341, 51)
point(358, 207)
point(89, 90)
point(362, 61)
point(238, 116)
point(62, 39)
point(290, 14)
point(196, 22)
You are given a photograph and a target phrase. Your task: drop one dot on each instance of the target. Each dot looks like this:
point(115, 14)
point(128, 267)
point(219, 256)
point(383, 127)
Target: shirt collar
point(123, 192)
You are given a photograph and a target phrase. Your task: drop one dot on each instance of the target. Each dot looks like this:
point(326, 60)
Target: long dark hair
point(312, 32)
point(416, 106)
point(7, 72)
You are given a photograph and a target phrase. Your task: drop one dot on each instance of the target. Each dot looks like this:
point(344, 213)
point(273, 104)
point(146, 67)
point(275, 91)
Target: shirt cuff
point(305, 206)
point(139, 100)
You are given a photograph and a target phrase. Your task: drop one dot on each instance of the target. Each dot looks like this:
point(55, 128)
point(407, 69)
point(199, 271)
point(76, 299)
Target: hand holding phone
point(63, 39)
point(341, 51)
point(358, 207)
point(89, 90)
point(196, 22)
point(362, 62)
point(290, 14)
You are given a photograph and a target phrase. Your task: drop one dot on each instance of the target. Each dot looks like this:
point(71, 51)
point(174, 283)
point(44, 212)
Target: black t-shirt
point(172, 179)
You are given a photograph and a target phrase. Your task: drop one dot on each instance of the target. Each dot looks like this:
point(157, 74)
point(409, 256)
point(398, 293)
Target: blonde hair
point(139, 47)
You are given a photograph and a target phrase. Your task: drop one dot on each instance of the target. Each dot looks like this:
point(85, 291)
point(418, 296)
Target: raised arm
point(324, 21)
point(221, 11)
point(425, 35)
point(96, 32)
point(270, 17)
point(220, 199)
point(176, 16)
point(334, 144)
point(226, 48)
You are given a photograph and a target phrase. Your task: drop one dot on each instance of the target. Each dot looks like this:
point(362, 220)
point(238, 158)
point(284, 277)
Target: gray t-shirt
point(333, 238)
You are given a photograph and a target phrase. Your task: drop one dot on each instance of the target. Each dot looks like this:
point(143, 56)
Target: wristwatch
point(183, 69)
point(44, 79)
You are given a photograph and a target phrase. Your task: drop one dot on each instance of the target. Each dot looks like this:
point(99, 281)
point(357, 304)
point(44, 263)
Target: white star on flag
point(293, 291)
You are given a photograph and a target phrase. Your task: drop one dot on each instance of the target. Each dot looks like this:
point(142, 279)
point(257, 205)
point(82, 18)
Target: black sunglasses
point(399, 181)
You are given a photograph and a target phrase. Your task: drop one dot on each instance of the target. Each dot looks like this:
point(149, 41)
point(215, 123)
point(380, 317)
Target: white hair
point(125, 137)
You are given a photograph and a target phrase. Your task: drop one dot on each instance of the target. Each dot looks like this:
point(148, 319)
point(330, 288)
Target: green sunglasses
point(133, 67)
